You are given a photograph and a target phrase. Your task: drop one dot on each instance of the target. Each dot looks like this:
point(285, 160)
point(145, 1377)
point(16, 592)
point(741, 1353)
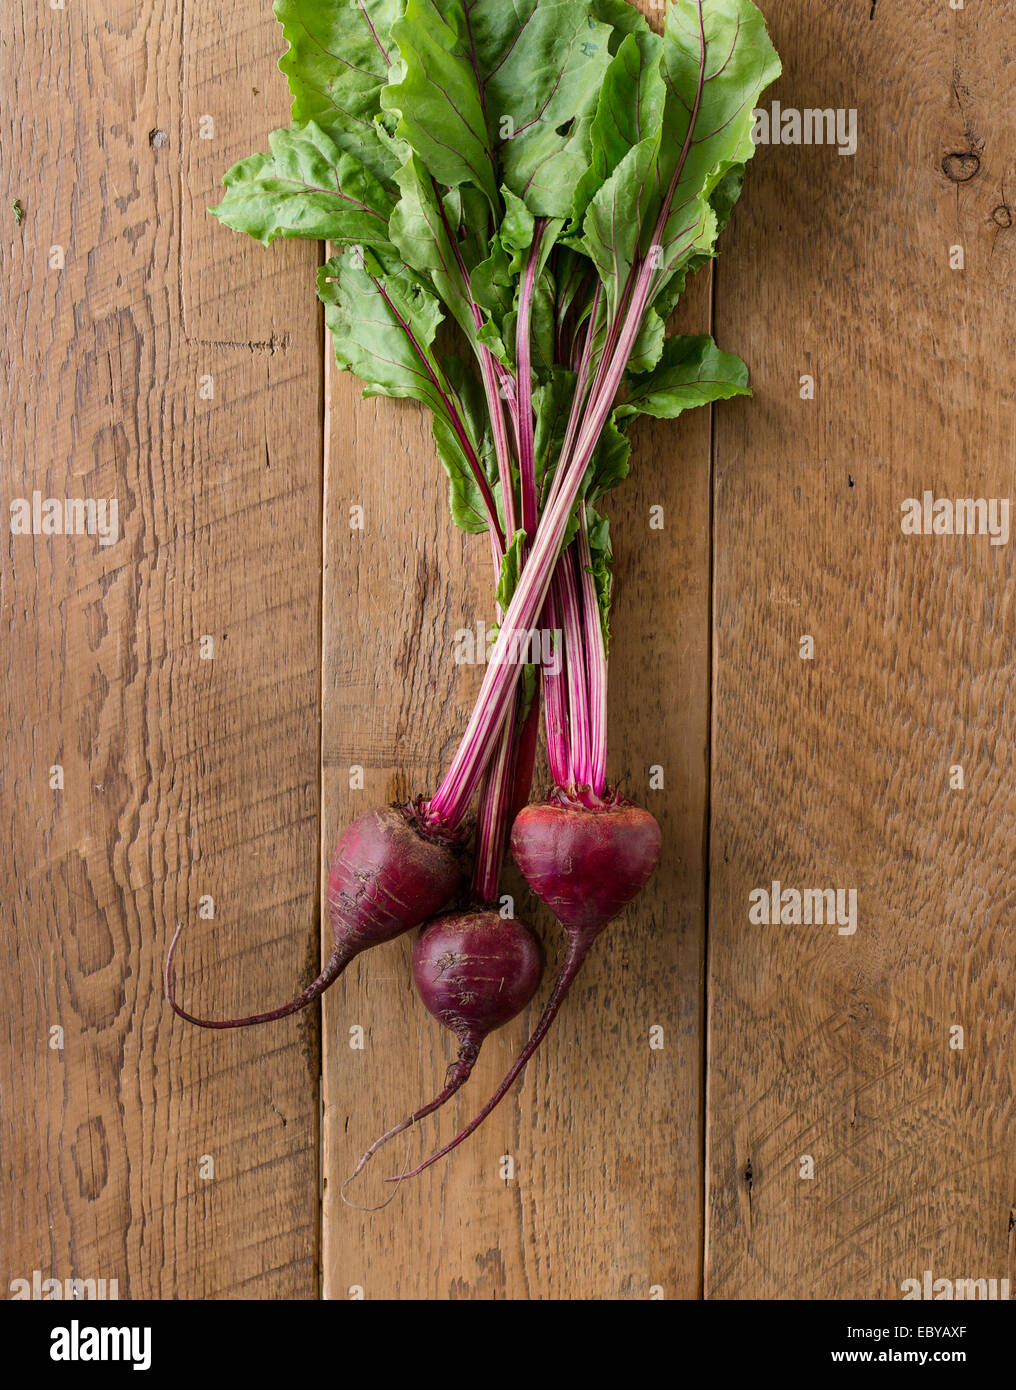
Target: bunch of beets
point(513, 196)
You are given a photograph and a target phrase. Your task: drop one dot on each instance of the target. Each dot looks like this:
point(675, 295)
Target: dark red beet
point(474, 971)
point(587, 866)
point(386, 877)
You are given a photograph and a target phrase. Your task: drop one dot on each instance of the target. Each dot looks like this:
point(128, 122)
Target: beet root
point(587, 865)
point(386, 877)
point(474, 971)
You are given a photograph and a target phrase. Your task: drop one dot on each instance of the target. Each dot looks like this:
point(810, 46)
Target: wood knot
point(961, 166)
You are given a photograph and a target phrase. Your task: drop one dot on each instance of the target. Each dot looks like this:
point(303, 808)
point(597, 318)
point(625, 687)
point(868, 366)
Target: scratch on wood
point(276, 343)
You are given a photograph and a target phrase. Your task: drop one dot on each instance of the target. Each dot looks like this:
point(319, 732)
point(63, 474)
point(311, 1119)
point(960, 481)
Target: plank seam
point(322, 847)
point(708, 811)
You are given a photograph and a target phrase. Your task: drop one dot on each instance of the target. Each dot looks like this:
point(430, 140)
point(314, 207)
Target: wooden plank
point(182, 777)
point(605, 1134)
point(836, 771)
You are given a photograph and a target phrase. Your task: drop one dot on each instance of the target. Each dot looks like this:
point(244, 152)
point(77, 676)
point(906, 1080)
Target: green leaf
point(516, 230)
point(572, 270)
point(648, 345)
point(614, 221)
point(571, 530)
point(493, 93)
point(306, 187)
point(622, 17)
point(488, 335)
point(542, 63)
point(422, 227)
point(551, 405)
point(601, 556)
point(609, 465)
point(528, 685)
point(437, 97)
point(470, 219)
point(717, 60)
point(383, 323)
point(494, 288)
point(725, 195)
point(630, 107)
point(465, 501)
point(692, 371)
point(511, 569)
point(722, 200)
point(339, 59)
point(543, 326)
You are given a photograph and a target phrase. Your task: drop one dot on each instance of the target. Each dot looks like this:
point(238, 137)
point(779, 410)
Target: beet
point(387, 876)
point(587, 865)
point(474, 971)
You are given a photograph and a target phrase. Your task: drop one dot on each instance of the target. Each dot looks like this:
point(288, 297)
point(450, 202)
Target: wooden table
point(163, 360)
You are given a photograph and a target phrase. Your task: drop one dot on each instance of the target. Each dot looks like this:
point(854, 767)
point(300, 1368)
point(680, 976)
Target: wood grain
point(231, 777)
point(183, 776)
point(837, 771)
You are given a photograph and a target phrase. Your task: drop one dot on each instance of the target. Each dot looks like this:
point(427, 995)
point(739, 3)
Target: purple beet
point(586, 865)
point(474, 971)
point(387, 876)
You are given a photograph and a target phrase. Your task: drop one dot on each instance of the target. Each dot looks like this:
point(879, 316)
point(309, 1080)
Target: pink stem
point(565, 592)
point(581, 389)
point(495, 377)
point(556, 707)
point(524, 364)
point(596, 662)
point(497, 794)
point(492, 818)
point(451, 800)
point(502, 450)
